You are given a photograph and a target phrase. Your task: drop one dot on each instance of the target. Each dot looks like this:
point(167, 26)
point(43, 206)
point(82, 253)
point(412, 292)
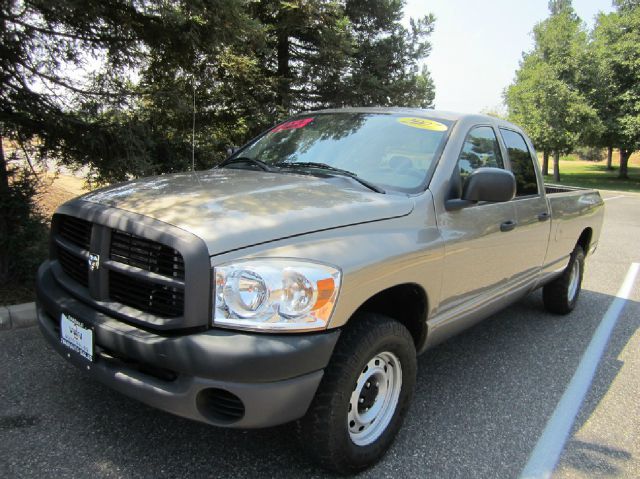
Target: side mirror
point(231, 150)
point(485, 184)
point(489, 184)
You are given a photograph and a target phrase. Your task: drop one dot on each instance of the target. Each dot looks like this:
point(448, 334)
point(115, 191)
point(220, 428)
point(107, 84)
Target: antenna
point(193, 126)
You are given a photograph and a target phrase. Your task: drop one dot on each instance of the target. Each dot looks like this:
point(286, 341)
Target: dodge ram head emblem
point(94, 262)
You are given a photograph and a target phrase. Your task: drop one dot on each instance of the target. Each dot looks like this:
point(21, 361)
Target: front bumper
point(273, 376)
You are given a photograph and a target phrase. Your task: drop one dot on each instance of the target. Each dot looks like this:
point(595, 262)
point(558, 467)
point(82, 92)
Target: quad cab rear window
point(521, 163)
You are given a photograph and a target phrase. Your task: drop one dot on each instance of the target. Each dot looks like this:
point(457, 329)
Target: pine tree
point(355, 53)
point(140, 87)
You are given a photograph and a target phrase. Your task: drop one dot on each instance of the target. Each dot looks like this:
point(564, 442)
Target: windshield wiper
point(333, 169)
point(244, 159)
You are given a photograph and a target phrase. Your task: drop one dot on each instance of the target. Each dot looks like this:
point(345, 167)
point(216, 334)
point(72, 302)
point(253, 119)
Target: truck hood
point(232, 208)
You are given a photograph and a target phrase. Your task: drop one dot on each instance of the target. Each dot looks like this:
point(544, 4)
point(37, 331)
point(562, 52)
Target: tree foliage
point(140, 87)
point(573, 89)
point(616, 45)
point(112, 83)
point(559, 6)
point(626, 5)
point(548, 94)
point(384, 68)
point(41, 43)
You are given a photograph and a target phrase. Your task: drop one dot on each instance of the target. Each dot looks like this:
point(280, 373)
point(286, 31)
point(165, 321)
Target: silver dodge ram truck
point(300, 278)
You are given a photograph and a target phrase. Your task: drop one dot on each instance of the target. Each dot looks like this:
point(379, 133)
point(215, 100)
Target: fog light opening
point(219, 405)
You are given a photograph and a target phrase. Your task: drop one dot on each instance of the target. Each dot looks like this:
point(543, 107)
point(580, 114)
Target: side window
point(521, 163)
point(480, 149)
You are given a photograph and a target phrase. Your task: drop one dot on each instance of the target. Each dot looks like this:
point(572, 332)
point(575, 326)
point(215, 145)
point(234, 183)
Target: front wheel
point(561, 295)
point(363, 397)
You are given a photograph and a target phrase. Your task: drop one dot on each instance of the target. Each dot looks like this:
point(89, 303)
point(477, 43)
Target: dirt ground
point(56, 190)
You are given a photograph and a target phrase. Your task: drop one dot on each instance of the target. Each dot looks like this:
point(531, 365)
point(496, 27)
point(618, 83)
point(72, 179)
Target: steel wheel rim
point(374, 399)
point(574, 278)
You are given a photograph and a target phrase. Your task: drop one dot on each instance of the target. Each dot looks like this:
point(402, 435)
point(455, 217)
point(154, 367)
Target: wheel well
point(585, 240)
point(407, 304)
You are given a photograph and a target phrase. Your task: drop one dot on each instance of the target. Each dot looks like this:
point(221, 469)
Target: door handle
point(544, 216)
point(508, 225)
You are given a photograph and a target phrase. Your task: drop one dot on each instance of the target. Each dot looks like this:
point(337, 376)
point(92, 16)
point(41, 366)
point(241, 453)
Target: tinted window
point(521, 163)
point(394, 151)
point(480, 149)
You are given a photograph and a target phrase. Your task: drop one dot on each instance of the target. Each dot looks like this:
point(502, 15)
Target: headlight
point(275, 295)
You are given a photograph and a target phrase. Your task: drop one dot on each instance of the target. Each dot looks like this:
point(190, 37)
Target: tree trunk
point(624, 160)
point(609, 157)
point(284, 70)
point(556, 166)
point(4, 220)
point(545, 162)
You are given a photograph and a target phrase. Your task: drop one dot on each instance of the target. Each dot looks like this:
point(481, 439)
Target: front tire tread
point(323, 431)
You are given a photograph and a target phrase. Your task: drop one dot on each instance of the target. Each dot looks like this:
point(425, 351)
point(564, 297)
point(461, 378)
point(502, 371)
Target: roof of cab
point(423, 112)
point(445, 115)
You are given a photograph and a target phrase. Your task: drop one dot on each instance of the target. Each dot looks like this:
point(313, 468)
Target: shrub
point(590, 153)
point(25, 243)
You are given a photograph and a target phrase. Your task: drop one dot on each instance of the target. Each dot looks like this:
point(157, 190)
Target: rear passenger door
point(479, 256)
point(532, 214)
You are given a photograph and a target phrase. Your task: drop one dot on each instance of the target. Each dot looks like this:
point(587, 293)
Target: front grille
point(146, 254)
point(145, 295)
point(75, 231)
point(135, 271)
point(74, 266)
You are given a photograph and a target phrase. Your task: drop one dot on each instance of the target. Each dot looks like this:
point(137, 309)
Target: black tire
point(559, 296)
point(325, 431)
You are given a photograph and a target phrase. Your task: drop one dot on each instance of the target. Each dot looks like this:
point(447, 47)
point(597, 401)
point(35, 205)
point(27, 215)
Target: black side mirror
point(489, 184)
point(485, 184)
point(231, 150)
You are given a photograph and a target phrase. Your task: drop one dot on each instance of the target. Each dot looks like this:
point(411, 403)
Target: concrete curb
point(18, 316)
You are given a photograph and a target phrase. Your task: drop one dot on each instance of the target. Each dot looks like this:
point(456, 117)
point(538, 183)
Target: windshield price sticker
point(292, 125)
point(422, 123)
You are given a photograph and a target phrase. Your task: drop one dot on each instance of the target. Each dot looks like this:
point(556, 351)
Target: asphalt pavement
point(482, 402)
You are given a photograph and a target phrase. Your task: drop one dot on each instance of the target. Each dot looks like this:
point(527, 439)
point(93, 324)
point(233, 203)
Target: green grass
point(590, 174)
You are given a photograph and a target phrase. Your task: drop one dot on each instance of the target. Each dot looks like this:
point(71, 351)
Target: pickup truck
point(299, 279)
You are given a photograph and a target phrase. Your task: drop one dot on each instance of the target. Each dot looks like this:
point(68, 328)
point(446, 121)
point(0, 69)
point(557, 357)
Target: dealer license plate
point(76, 337)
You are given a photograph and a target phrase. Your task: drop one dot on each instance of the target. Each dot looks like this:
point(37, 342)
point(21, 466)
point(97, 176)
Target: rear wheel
point(561, 295)
point(363, 397)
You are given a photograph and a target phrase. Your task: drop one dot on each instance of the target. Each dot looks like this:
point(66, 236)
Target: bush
point(590, 153)
point(25, 243)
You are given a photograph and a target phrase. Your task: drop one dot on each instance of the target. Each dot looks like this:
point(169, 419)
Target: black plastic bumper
point(274, 376)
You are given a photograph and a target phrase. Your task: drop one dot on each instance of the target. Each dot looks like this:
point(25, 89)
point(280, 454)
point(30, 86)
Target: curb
point(18, 316)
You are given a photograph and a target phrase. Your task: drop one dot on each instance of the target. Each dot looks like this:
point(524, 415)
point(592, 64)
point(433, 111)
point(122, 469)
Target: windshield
point(393, 151)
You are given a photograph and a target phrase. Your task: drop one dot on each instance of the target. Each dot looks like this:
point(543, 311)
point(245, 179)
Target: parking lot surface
point(482, 402)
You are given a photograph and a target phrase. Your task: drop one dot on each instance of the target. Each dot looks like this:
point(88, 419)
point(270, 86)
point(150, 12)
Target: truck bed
point(551, 189)
point(574, 212)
